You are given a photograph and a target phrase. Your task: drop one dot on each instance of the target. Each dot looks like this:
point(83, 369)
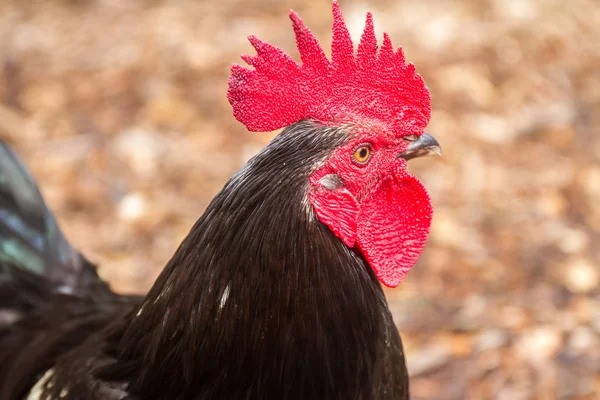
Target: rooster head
point(362, 191)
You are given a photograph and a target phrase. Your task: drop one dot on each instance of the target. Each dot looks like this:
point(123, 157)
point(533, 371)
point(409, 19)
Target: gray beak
point(425, 145)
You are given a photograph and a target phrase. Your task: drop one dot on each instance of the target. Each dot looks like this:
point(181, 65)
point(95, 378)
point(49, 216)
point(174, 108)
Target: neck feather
point(261, 296)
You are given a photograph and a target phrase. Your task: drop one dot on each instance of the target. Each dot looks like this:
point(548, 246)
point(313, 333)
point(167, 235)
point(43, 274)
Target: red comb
point(370, 86)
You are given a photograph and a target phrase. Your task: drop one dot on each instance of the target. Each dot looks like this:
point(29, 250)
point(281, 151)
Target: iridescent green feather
point(29, 235)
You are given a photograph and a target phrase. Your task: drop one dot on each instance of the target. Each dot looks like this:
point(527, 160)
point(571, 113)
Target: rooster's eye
point(362, 154)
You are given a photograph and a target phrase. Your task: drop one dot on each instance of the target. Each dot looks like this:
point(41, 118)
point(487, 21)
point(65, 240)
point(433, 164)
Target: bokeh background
point(119, 109)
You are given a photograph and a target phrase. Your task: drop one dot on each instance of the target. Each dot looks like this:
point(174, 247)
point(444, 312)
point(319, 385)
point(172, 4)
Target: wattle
point(393, 226)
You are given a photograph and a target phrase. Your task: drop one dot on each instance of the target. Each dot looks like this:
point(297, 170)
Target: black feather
point(260, 301)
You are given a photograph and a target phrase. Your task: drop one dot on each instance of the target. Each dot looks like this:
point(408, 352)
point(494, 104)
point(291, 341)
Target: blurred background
point(119, 109)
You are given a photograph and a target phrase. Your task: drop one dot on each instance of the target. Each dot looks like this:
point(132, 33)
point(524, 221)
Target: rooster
point(276, 291)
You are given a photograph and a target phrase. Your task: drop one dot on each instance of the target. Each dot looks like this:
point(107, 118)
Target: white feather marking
point(64, 289)
point(225, 296)
point(140, 311)
point(36, 391)
point(8, 316)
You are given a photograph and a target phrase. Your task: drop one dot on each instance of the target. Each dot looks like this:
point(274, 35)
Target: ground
point(119, 109)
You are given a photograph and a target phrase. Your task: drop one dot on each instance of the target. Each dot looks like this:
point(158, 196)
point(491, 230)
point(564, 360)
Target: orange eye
point(362, 154)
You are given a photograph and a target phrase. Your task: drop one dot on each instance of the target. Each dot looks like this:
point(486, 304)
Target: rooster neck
point(264, 298)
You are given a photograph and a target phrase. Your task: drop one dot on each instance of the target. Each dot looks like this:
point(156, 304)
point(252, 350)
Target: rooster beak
point(425, 145)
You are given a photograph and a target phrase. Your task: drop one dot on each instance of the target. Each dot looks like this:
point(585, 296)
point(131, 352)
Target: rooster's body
point(274, 293)
point(211, 327)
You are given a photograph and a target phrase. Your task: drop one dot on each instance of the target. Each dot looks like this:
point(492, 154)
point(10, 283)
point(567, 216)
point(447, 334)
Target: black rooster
point(275, 292)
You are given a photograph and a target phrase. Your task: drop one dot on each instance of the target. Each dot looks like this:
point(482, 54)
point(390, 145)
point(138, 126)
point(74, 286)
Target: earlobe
point(338, 209)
